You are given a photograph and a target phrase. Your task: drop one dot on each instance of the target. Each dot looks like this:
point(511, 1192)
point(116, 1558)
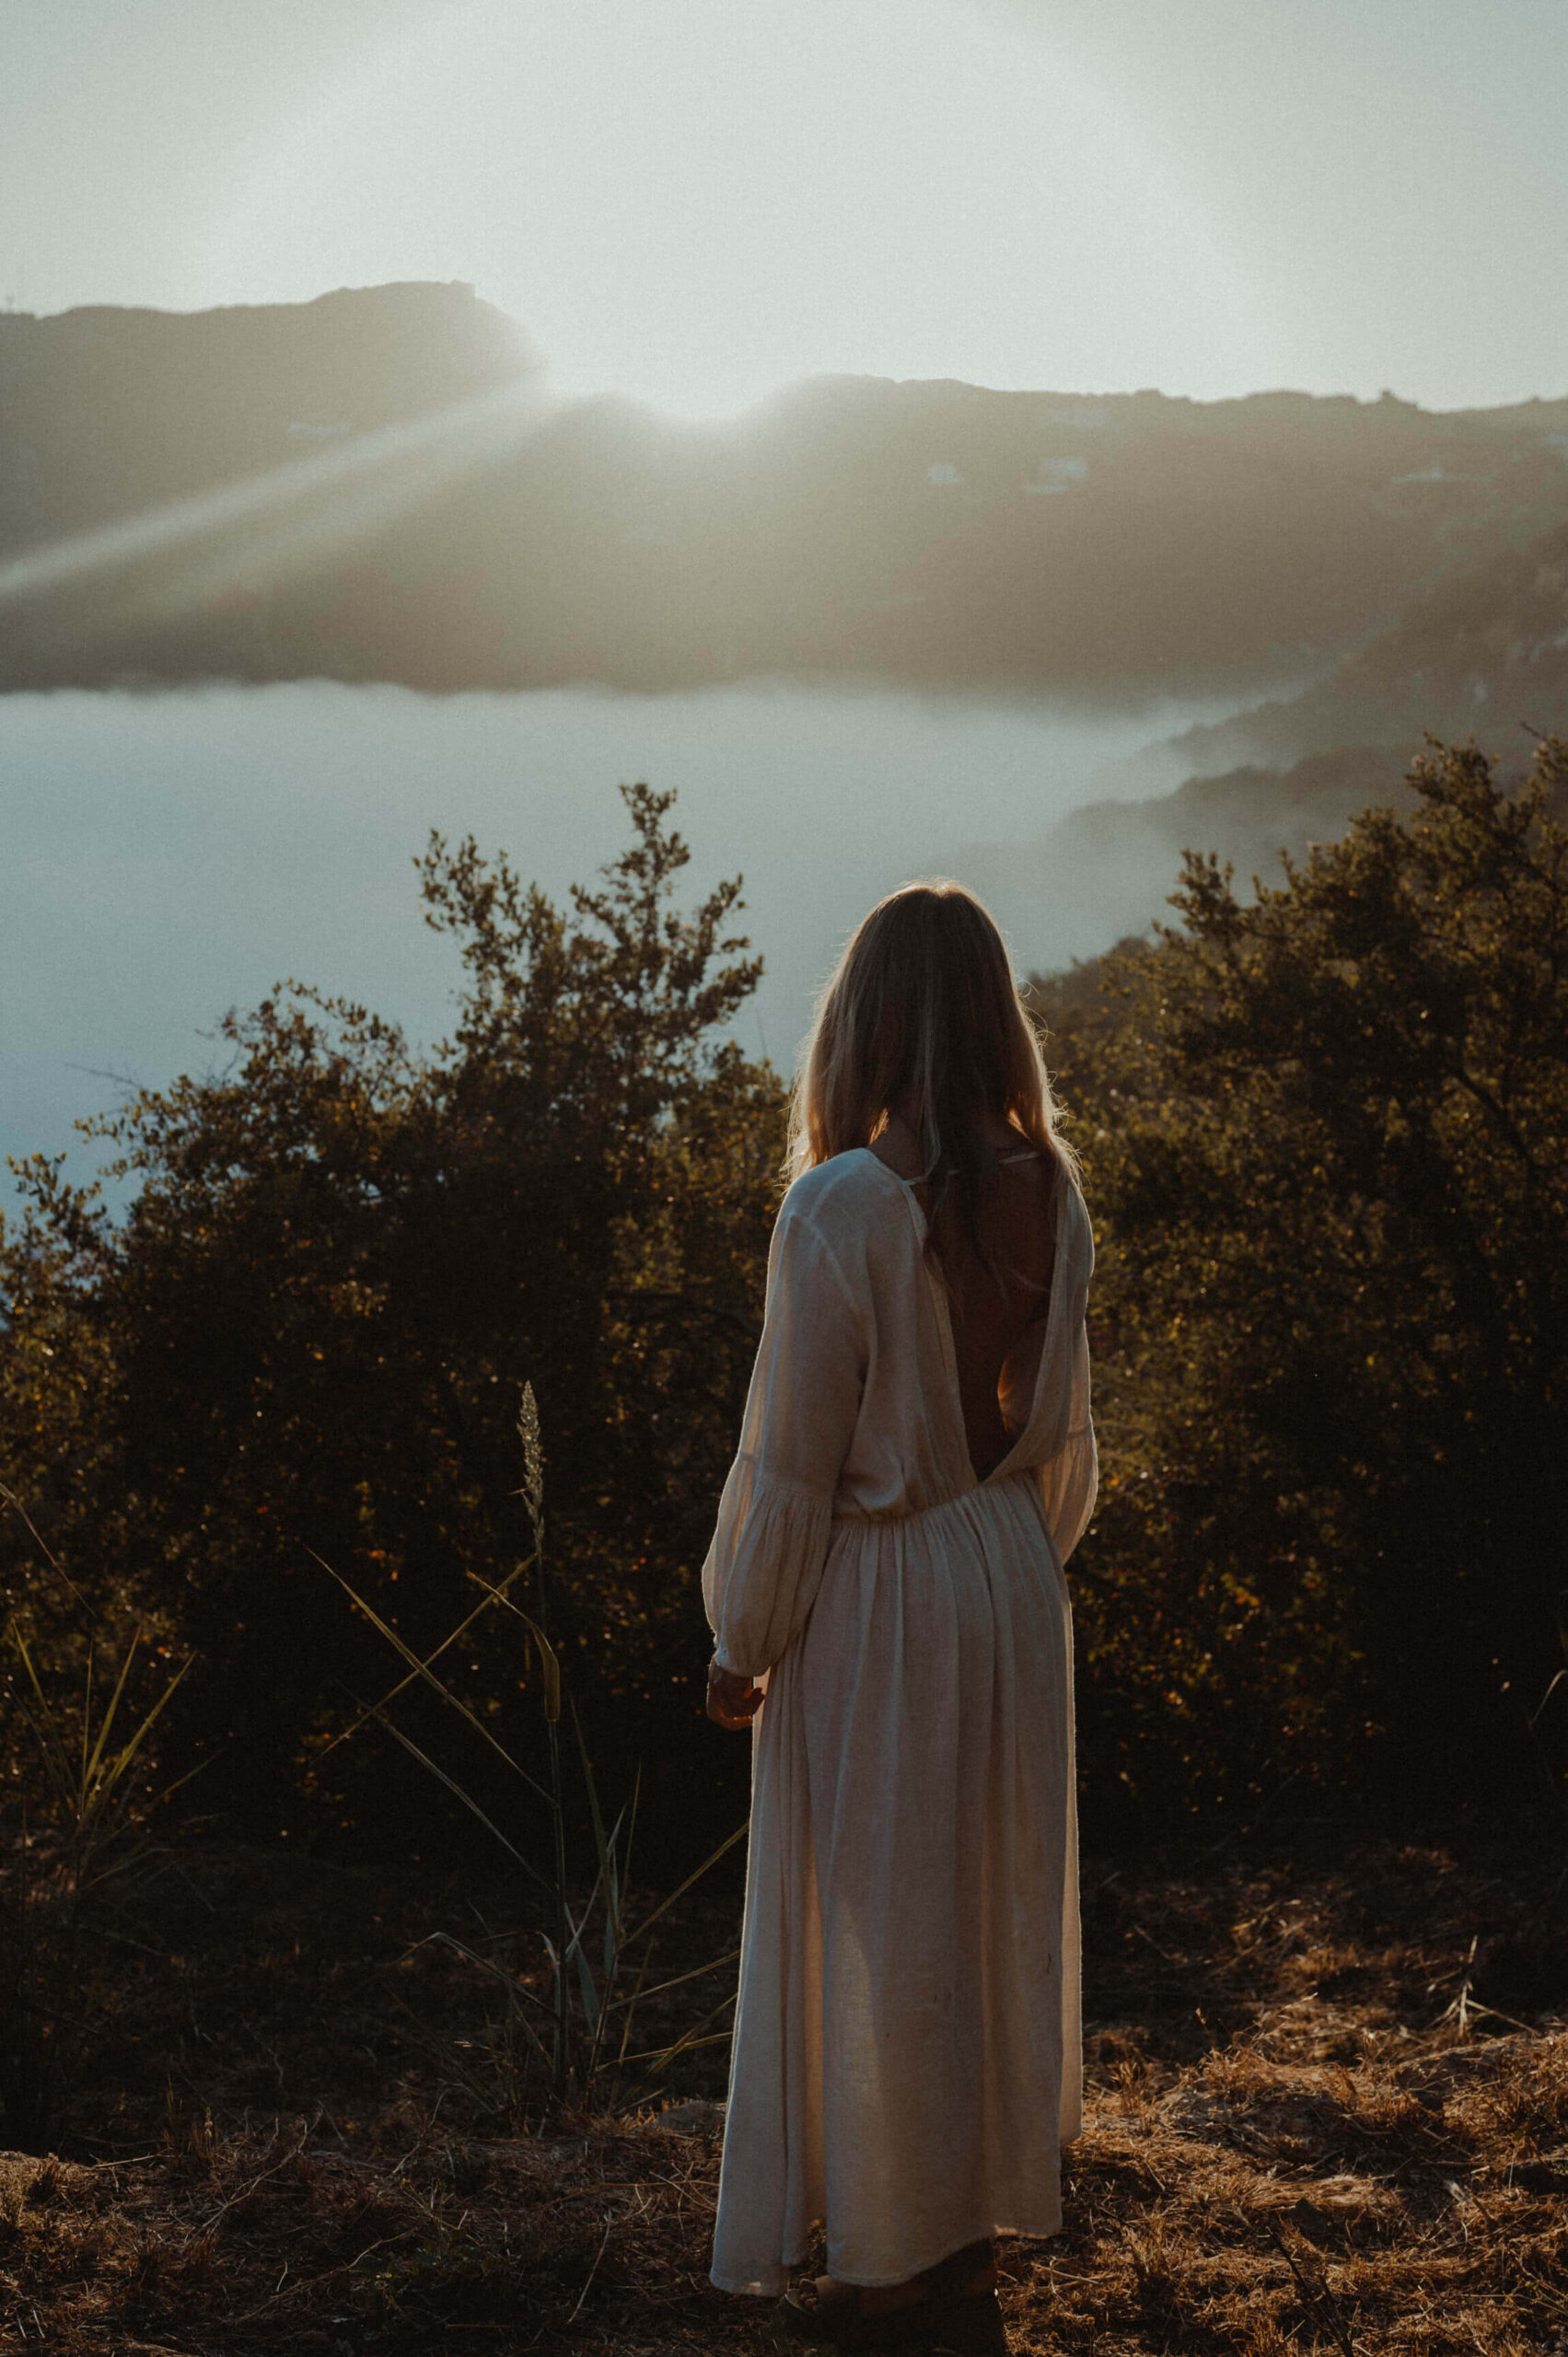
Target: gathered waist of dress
point(1026, 1477)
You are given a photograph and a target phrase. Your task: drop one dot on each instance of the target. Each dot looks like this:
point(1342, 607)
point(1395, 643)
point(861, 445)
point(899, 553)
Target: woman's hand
point(733, 1700)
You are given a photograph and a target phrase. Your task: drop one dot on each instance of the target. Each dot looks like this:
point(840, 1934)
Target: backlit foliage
point(346, 1259)
point(1325, 1131)
point(1326, 1134)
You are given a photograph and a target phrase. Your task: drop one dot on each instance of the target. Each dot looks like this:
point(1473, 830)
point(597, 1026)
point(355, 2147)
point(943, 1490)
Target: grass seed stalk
point(575, 2037)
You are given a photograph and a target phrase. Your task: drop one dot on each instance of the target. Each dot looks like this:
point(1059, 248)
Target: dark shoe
point(947, 2322)
point(957, 2327)
point(836, 2323)
point(967, 2327)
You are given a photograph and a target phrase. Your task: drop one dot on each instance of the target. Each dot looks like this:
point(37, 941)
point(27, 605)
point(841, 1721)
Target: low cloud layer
point(184, 852)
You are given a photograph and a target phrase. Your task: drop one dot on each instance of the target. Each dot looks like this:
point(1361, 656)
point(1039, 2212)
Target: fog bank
point(174, 854)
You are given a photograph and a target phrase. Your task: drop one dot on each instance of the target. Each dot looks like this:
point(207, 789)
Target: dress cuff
point(761, 1576)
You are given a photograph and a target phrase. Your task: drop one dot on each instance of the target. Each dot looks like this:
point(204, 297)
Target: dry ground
point(1328, 2111)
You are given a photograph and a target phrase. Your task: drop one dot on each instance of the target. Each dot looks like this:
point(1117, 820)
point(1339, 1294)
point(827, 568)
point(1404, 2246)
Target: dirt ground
point(1328, 2111)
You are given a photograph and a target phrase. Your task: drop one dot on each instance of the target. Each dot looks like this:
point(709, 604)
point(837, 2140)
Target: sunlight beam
point(449, 442)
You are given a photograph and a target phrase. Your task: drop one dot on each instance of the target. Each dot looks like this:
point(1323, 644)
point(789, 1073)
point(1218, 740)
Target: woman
point(916, 1463)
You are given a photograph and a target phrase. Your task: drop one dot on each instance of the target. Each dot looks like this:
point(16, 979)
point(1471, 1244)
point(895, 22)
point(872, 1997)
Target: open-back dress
point(907, 2051)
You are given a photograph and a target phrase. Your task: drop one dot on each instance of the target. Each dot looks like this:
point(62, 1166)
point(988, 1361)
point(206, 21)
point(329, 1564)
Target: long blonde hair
point(922, 1003)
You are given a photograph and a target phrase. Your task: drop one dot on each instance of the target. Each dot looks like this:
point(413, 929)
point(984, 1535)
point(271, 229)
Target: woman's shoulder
point(843, 1196)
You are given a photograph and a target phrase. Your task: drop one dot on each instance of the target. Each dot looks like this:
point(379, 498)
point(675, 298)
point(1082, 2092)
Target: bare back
point(992, 1308)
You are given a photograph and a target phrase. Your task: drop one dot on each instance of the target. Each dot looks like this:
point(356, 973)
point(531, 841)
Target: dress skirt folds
point(906, 2062)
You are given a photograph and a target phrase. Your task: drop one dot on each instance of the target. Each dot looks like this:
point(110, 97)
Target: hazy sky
point(694, 201)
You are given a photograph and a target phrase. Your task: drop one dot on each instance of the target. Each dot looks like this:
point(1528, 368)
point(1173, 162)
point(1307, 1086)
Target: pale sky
point(695, 201)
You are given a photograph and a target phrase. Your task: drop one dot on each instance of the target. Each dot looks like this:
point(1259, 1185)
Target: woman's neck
point(899, 1143)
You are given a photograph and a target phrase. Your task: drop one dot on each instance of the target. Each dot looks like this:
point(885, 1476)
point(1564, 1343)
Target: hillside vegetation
point(268, 2036)
point(1325, 1136)
point(1325, 1131)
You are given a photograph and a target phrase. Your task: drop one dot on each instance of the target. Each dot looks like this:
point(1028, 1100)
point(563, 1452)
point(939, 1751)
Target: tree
point(1328, 1149)
point(308, 1336)
point(1326, 1135)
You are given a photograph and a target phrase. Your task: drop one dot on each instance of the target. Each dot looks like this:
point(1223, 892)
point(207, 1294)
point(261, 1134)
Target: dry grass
point(1329, 2111)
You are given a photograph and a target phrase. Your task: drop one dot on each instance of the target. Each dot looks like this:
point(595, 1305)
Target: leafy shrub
point(1326, 1139)
point(83, 1757)
point(344, 1257)
point(1326, 1135)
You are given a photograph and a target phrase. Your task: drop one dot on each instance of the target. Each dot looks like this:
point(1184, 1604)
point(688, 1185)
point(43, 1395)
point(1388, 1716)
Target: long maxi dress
point(907, 2053)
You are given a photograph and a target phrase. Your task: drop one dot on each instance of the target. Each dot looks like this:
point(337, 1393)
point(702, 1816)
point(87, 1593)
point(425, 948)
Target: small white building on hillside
point(1058, 474)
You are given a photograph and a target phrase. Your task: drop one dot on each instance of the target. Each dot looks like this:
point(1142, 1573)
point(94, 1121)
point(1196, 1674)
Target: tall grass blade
point(437, 1685)
point(129, 1750)
point(603, 1844)
point(31, 1529)
point(695, 1877)
point(92, 1761)
point(586, 1982)
point(693, 2036)
point(467, 1799)
point(87, 1704)
point(661, 2057)
point(445, 1647)
point(1545, 1699)
point(680, 1978)
point(630, 2005)
point(549, 1663)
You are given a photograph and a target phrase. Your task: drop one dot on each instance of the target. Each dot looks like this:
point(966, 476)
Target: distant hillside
point(1493, 639)
point(390, 497)
point(1484, 651)
point(1209, 814)
point(105, 413)
point(1484, 654)
point(1104, 871)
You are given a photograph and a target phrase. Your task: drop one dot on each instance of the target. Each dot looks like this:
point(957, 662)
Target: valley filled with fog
point(185, 850)
point(284, 586)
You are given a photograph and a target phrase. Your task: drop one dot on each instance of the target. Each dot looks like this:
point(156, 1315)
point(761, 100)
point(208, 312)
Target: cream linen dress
point(907, 2050)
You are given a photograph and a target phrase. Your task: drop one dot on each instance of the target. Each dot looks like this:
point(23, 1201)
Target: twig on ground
point(1316, 2294)
point(593, 2270)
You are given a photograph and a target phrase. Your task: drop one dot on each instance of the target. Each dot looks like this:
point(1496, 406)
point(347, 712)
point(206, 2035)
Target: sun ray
point(357, 487)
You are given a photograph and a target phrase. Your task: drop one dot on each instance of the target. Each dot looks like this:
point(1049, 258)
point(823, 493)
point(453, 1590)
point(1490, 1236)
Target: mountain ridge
point(930, 533)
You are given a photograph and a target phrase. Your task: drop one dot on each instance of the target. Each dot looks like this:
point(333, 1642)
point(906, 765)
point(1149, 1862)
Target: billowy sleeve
point(1070, 1475)
point(775, 1517)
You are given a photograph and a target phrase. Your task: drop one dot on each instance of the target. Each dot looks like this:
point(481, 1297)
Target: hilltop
point(935, 534)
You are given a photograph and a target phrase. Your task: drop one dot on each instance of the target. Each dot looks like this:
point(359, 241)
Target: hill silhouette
point(391, 495)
